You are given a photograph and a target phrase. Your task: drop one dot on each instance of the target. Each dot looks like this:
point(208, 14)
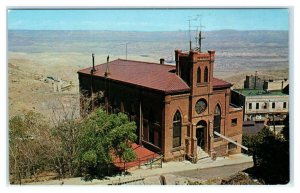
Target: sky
point(149, 19)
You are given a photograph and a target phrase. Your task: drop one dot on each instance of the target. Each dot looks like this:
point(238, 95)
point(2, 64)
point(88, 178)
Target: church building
point(181, 112)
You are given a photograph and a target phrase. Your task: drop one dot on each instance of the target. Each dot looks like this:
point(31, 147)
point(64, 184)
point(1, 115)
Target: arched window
point(198, 75)
point(206, 74)
point(217, 120)
point(177, 129)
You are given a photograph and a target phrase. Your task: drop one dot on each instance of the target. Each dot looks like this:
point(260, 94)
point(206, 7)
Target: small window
point(257, 105)
point(198, 75)
point(206, 74)
point(234, 122)
point(284, 105)
point(265, 105)
point(273, 105)
point(250, 105)
point(232, 146)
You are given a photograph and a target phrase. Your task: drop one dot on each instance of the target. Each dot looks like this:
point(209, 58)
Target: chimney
point(162, 61)
point(177, 61)
point(255, 79)
point(107, 67)
point(93, 69)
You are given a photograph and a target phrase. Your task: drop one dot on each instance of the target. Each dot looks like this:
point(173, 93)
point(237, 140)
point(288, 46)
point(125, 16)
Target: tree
point(63, 149)
point(286, 129)
point(26, 146)
point(102, 137)
point(63, 135)
point(72, 146)
point(271, 155)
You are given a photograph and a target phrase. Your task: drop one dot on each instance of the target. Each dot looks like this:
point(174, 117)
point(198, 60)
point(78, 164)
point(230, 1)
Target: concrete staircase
point(201, 154)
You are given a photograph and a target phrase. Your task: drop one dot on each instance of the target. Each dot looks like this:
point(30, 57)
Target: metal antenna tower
point(200, 38)
point(198, 30)
point(190, 41)
point(190, 38)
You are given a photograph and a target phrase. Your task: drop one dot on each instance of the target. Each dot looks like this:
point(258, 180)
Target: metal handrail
point(230, 140)
point(147, 161)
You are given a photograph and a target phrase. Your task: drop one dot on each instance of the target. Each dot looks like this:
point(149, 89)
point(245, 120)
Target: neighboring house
point(253, 82)
point(256, 82)
point(273, 85)
point(269, 107)
point(180, 111)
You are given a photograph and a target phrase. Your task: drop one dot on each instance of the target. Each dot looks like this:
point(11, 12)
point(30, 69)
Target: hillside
point(62, 53)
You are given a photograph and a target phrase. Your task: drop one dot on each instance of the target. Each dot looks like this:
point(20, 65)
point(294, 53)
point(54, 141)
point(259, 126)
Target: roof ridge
point(144, 62)
point(120, 59)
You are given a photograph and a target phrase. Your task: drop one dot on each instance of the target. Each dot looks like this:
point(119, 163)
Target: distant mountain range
point(235, 50)
point(19, 38)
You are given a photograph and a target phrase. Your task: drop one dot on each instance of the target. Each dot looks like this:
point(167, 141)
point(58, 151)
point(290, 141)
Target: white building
point(270, 107)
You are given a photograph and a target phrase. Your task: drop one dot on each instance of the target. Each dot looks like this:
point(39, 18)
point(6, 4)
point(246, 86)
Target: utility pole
point(92, 82)
point(274, 124)
point(190, 38)
point(126, 50)
point(255, 79)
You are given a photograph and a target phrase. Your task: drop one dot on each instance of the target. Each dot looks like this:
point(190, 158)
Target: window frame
point(265, 106)
point(234, 122)
point(284, 105)
point(177, 127)
point(217, 120)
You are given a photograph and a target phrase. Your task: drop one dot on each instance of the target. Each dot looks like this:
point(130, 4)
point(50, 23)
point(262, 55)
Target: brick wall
point(158, 109)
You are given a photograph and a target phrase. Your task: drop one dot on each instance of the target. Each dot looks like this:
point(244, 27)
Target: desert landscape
point(38, 61)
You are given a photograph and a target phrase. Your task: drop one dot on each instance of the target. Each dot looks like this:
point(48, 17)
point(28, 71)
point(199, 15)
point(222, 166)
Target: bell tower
point(196, 69)
point(202, 72)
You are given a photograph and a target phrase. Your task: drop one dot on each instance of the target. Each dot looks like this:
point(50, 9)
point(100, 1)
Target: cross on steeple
point(200, 40)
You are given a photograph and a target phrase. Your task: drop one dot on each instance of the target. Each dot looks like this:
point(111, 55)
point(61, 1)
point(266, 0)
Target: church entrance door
point(200, 134)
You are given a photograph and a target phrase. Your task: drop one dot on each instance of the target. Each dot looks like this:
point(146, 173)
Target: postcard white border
point(294, 71)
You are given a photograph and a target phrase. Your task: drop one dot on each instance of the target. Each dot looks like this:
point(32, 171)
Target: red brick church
point(182, 111)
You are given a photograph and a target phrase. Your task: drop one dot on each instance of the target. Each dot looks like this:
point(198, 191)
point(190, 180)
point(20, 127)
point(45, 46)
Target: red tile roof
point(143, 155)
point(218, 83)
point(153, 76)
